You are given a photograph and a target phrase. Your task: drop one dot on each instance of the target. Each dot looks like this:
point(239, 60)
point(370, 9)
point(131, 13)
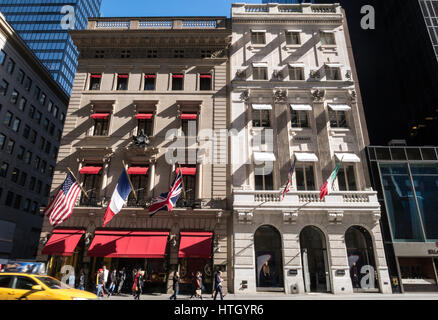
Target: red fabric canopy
point(189, 116)
point(195, 245)
point(150, 76)
point(90, 170)
point(97, 76)
point(178, 76)
point(144, 116)
point(205, 76)
point(138, 170)
point(100, 116)
point(129, 244)
point(63, 242)
point(187, 171)
point(123, 76)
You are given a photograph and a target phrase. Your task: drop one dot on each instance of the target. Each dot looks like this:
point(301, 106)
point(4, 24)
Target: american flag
point(166, 201)
point(289, 181)
point(61, 207)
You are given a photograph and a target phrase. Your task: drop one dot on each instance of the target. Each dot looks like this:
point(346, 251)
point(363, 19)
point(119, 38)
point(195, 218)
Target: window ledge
point(292, 46)
point(335, 131)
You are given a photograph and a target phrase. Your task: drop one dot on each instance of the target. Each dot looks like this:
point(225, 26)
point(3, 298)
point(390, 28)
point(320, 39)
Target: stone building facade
point(144, 90)
point(294, 100)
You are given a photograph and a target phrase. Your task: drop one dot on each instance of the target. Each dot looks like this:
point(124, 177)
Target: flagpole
point(182, 183)
point(129, 179)
point(82, 189)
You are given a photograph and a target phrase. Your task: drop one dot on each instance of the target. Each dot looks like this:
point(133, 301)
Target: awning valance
point(301, 107)
point(195, 245)
point(129, 244)
point(189, 116)
point(339, 107)
point(347, 157)
point(187, 171)
point(306, 157)
point(264, 157)
point(178, 76)
point(205, 76)
point(98, 116)
point(150, 76)
point(96, 76)
point(262, 106)
point(90, 170)
point(141, 171)
point(63, 242)
point(123, 76)
point(144, 116)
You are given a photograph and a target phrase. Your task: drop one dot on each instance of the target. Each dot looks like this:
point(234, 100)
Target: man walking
point(113, 279)
point(105, 279)
point(122, 278)
point(100, 280)
point(175, 286)
point(218, 285)
point(81, 285)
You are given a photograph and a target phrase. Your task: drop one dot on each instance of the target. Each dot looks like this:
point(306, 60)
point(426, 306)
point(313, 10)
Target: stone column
point(151, 180)
point(199, 181)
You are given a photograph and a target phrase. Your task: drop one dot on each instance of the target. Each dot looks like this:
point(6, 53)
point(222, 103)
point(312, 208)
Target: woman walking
point(198, 285)
point(175, 286)
point(139, 285)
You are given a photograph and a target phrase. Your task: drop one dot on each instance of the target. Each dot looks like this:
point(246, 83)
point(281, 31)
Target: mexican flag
point(328, 185)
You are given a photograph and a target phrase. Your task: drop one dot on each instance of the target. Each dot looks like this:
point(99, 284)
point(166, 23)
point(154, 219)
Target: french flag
point(118, 199)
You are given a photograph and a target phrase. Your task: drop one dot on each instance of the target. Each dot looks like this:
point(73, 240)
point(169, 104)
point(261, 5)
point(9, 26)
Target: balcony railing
point(266, 9)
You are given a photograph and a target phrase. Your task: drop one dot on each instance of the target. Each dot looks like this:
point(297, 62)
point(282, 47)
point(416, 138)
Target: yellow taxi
point(22, 286)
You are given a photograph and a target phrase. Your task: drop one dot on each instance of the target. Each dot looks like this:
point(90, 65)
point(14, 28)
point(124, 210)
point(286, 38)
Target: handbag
point(198, 292)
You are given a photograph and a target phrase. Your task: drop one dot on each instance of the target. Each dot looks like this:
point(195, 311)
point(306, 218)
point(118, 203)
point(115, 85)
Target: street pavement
point(277, 296)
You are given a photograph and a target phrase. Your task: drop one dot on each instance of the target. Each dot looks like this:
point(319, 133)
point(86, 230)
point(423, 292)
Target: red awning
point(63, 242)
point(90, 170)
point(100, 116)
point(144, 116)
point(187, 171)
point(195, 245)
point(123, 76)
point(150, 76)
point(129, 244)
point(189, 116)
point(138, 170)
point(97, 76)
point(205, 76)
point(178, 76)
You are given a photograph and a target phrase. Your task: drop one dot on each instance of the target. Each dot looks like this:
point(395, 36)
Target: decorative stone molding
point(348, 75)
point(376, 216)
point(280, 96)
point(245, 217)
point(290, 217)
point(318, 95)
point(335, 217)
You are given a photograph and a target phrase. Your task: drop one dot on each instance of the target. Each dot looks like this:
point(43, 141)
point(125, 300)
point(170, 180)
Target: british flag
point(167, 201)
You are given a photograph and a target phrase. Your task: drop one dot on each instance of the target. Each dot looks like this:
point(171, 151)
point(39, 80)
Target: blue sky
point(145, 8)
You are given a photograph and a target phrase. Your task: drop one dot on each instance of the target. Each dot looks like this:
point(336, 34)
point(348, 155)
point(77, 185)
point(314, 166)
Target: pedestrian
point(193, 285)
point(134, 275)
point(138, 285)
point(175, 285)
point(113, 279)
point(121, 279)
point(218, 285)
point(81, 285)
point(198, 292)
point(105, 277)
point(100, 280)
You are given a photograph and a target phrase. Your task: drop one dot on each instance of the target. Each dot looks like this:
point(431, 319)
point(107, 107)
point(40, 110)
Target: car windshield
point(53, 283)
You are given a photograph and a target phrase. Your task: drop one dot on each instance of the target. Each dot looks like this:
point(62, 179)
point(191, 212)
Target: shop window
point(299, 119)
point(205, 81)
point(177, 81)
point(296, 73)
point(149, 81)
point(260, 73)
point(305, 176)
point(261, 118)
point(95, 80)
point(258, 37)
point(347, 179)
point(264, 177)
point(327, 38)
point(122, 81)
point(338, 119)
point(293, 38)
point(333, 73)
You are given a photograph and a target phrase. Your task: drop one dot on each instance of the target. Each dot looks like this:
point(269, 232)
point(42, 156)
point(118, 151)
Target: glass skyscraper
point(44, 26)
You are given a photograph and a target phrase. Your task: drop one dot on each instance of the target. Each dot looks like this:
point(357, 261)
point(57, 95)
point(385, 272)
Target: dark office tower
point(44, 26)
point(288, 1)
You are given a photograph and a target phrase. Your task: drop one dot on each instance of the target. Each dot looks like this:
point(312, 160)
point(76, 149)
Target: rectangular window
point(62, 117)
point(50, 106)
point(55, 112)
point(20, 154)
point(28, 157)
point(305, 178)
point(31, 112)
point(42, 143)
point(4, 169)
point(205, 81)
point(43, 99)
point(333, 73)
point(58, 135)
point(22, 104)
point(95, 81)
point(189, 179)
point(36, 162)
point(14, 97)
point(177, 81)
point(296, 73)
point(9, 199)
point(17, 202)
point(264, 178)
point(101, 127)
point(346, 179)
point(46, 124)
point(11, 66)
point(36, 93)
point(48, 147)
point(51, 129)
point(293, 38)
point(122, 81)
point(32, 183)
point(38, 117)
point(23, 179)
point(20, 76)
point(2, 141)
point(7, 120)
point(16, 124)
point(91, 183)
point(327, 38)
point(299, 119)
point(54, 153)
point(15, 174)
point(146, 125)
point(149, 81)
point(4, 87)
point(189, 124)
point(337, 119)
point(2, 57)
point(33, 136)
point(261, 118)
point(34, 207)
point(39, 185)
point(260, 73)
point(139, 181)
point(26, 205)
point(43, 167)
point(10, 146)
point(28, 83)
point(258, 37)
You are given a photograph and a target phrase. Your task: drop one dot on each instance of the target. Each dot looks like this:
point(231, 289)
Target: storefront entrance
point(188, 269)
point(269, 259)
point(418, 274)
point(314, 260)
point(361, 260)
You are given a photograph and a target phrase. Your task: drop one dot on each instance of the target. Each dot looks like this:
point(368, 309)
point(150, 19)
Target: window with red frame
point(205, 81)
point(177, 81)
point(122, 81)
point(95, 81)
point(149, 81)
